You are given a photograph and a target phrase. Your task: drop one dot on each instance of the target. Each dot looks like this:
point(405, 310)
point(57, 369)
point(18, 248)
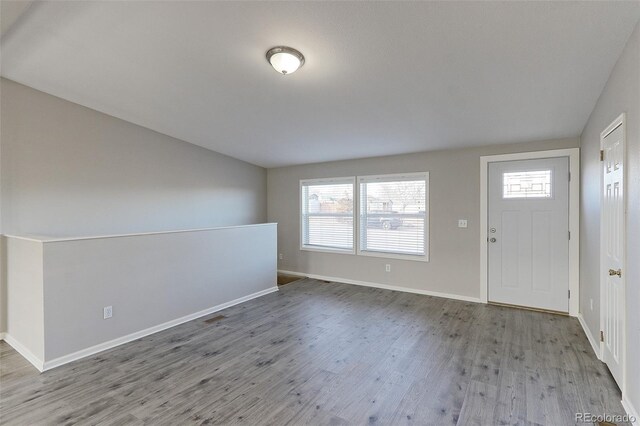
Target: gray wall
point(71, 171)
point(621, 94)
point(454, 265)
point(149, 280)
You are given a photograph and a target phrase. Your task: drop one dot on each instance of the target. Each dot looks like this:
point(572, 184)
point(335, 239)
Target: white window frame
point(391, 177)
point(343, 180)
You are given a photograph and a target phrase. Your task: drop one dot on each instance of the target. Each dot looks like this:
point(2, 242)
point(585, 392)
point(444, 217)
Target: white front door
point(612, 247)
point(528, 233)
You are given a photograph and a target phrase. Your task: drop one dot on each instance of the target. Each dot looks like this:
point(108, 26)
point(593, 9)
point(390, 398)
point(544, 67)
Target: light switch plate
point(462, 223)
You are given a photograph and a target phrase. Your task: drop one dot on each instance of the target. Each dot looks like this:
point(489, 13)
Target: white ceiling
point(380, 77)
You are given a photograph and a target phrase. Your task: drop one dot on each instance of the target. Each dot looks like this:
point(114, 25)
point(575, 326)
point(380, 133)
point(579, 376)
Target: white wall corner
point(22, 350)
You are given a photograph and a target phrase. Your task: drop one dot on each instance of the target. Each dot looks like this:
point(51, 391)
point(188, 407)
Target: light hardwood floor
point(328, 353)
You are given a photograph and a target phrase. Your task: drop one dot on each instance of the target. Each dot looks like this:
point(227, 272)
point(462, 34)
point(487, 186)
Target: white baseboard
point(384, 286)
point(22, 350)
point(83, 353)
point(595, 344)
point(631, 411)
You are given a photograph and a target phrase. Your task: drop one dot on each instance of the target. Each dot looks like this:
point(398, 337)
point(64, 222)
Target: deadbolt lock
point(613, 272)
point(493, 240)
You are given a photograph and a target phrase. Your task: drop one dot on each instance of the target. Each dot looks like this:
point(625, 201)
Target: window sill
point(383, 255)
point(327, 250)
point(415, 258)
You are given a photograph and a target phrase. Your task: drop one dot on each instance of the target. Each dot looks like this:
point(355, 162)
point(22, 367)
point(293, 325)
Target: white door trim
point(619, 121)
point(574, 217)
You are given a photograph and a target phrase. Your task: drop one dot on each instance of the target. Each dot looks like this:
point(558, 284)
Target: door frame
point(621, 120)
point(574, 217)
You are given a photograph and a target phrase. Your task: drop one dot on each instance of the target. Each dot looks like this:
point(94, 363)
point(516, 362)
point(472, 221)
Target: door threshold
point(529, 308)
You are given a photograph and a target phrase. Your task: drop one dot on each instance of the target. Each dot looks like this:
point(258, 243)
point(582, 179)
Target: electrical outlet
point(591, 303)
point(462, 223)
point(387, 267)
point(281, 256)
point(108, 312)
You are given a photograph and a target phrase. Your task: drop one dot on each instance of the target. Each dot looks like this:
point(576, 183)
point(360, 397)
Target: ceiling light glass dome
point(285, 60)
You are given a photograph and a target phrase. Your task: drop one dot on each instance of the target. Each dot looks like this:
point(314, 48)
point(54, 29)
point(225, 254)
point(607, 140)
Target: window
point(530, 184)
point(327, 214)
point(393, 215)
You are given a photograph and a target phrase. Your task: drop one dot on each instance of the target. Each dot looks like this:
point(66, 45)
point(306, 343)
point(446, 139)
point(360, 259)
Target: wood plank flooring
point(328, 353)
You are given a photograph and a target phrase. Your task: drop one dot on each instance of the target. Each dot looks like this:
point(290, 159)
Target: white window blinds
point(393, 214)
point(327, 214)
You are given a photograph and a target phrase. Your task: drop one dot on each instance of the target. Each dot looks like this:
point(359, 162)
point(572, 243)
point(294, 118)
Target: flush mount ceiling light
point(285, 60)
